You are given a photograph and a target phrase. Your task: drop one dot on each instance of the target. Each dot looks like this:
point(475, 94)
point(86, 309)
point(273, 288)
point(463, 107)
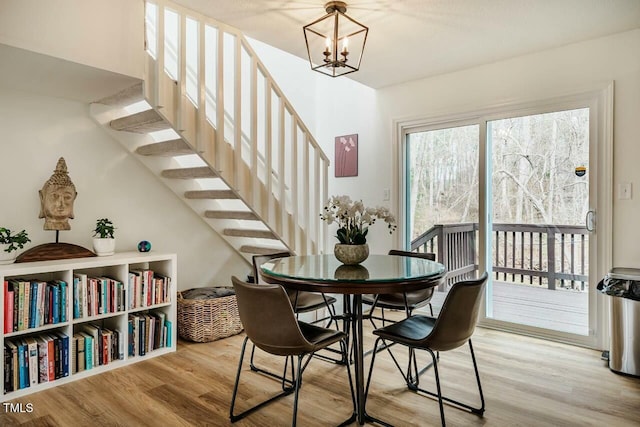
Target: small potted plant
point(104, 243)
point(9, 243)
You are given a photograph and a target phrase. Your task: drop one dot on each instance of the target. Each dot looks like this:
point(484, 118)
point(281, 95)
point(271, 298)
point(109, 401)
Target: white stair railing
point(205, 79)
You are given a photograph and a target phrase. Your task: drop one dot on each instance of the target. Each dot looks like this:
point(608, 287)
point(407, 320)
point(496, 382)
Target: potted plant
point(353, 220)
point(9, 243)
point(104, 243)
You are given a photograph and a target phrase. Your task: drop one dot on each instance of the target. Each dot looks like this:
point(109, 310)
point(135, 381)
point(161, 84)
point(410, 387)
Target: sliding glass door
point(513, 192)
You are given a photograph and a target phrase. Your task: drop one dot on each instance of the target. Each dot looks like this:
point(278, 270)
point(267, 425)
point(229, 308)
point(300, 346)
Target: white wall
point(37, 130)
point(106, 34)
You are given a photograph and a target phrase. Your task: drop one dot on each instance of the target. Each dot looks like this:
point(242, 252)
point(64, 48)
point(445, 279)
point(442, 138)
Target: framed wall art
point(346, 156)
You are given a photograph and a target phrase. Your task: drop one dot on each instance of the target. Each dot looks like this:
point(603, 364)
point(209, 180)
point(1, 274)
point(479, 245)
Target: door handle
point(590, 220)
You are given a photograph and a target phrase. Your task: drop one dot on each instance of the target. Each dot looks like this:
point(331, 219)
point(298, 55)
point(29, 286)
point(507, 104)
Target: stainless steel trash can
point(623, 286)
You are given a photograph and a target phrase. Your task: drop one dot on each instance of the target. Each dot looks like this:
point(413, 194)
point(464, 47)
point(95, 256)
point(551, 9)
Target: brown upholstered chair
point(302, 302)
point(271, 325)
point(451, 329)
point(397, 301)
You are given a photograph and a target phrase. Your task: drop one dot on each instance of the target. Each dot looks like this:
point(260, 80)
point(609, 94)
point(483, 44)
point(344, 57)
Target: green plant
point(104, 229)
point(15, 241)
point(354, 219)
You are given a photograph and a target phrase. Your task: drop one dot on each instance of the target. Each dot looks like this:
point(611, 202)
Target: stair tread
point(249, 232)
point(173, 147)
point(210, 194)
point(229, 214)
point(125, 97)
point(259, 250)
point(142, 122)
point(189, 173)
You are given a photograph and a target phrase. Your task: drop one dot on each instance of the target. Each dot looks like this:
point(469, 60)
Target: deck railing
point(546, 255)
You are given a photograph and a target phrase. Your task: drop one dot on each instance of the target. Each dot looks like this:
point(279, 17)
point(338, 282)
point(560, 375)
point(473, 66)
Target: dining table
point(378, 274)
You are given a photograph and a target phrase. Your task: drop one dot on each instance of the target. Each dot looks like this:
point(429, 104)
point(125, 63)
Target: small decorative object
point(103, 241)
point(346, 152)
point(9, 243)
point(144, 246)
point(353, 221)
point(56, 199)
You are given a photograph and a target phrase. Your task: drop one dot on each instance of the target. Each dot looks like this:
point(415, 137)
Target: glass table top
point(376, 268)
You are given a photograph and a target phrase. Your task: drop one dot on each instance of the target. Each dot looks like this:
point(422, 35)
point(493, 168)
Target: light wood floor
point(527, 382)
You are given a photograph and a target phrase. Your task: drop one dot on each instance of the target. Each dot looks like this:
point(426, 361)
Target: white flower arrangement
point(354, 219)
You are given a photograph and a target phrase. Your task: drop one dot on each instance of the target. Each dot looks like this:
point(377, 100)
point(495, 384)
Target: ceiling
point(412, 39)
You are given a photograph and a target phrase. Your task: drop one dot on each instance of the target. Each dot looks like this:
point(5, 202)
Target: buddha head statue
point(56, 199)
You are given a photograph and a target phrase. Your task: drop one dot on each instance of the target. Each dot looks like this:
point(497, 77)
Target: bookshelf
point(134, 315)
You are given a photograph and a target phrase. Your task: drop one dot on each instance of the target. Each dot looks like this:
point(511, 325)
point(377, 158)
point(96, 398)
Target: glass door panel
point(442, 198)
point(540, 198)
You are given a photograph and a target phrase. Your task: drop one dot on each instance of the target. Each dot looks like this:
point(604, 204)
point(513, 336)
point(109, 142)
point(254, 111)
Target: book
point(51, 356)
point(8, 379)
point(21, 305)
point(42, 303)
point(55, 302)
point(88, 350)
point(74, 354)
point(64, 354)
point(26, 305)
point(82, 294)
point(96, 338)
point(76, 297)
point(169, 333)
point(43, 359)
point(63, 300)
point(23, 363)
point(8, 307)
point(80, 355)
point(34, 363)
point(15, 370)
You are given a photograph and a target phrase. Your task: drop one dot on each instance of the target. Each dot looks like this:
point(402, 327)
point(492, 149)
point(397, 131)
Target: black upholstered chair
point(451, 329)
point(271, 325)
point(398, 301)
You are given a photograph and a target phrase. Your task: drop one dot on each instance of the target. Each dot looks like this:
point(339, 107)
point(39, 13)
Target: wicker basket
point(205, 320)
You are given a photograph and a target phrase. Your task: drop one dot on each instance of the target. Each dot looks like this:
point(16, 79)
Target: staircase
point(211, 123)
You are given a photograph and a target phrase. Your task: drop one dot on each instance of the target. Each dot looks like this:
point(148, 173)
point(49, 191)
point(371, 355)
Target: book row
point(147, 288)
point(147, 332)
point(37, 359)
point(96, 295)
point(33, 303)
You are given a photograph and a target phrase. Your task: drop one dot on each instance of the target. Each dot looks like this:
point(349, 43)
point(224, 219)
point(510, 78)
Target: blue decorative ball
point(144, 246)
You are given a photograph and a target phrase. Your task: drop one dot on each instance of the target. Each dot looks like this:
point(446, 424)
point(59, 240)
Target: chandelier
point(335, 42)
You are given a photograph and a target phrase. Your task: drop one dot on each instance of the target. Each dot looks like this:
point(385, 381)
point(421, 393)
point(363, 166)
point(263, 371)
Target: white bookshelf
point(116, 267)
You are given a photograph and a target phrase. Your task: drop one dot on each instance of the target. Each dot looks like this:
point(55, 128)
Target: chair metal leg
point(279, 377)
point(235, 417)
point(478, 411)
point(297, 390)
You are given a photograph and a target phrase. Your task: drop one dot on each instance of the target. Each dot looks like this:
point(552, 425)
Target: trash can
point(623, 286)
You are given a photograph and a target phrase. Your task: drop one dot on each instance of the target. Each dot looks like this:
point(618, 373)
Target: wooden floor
point(527, 382)
point(559, 310)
